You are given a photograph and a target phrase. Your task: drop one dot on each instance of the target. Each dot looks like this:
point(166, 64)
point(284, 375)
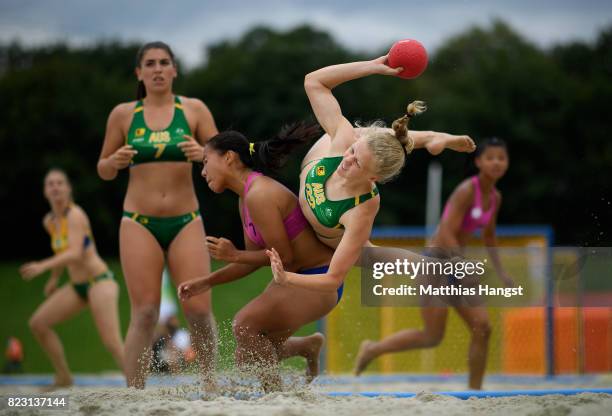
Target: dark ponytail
point(269, 155)
point(141, 91)
point(489, 142)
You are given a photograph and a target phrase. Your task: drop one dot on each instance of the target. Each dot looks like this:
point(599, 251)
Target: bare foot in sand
point(313, 352)
point(364, 356)
point(463, 144)
point(58, 383)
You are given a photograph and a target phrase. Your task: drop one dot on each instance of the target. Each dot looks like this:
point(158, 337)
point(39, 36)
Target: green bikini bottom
point(82, 288)
point(164, 229)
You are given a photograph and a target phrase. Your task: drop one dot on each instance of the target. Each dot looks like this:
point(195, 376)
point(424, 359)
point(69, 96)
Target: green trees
point(550, 105)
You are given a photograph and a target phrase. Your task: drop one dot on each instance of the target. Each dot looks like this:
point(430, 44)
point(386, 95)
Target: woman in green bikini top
point(91, 282)
point(338, 194)
point(328, 212)
point(156, 138)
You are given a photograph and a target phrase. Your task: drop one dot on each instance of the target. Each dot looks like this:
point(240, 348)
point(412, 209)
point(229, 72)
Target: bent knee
point(38, 324)
point(431, 340)
point(244, 326)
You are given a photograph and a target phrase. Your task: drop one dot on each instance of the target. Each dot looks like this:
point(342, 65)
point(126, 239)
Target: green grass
point(82, 345)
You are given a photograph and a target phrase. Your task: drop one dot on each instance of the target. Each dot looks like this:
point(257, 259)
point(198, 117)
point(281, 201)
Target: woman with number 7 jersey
point(157, 137)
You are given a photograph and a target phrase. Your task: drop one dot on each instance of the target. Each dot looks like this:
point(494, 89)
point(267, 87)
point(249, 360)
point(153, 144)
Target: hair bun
point(415, 108)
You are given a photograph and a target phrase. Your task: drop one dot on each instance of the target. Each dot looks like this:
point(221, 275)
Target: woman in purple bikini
point(473, 206)
point(271, 217)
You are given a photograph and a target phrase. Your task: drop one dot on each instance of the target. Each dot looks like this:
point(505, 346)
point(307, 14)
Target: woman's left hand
point(30, 270)
point(192, 149)
point(276, 264)
point(192, 288)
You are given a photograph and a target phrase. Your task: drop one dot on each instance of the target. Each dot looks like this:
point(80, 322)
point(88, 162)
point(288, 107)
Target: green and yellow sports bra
point(328, 212)
point(158, 145)
point(59, 238)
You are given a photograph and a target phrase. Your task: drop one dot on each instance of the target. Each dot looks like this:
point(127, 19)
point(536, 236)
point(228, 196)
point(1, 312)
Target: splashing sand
point(301, 399)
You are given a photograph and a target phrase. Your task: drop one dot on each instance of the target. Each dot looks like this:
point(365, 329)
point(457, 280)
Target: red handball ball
point(409, 54)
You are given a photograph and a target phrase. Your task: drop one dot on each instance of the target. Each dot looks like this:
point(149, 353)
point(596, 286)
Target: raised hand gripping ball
point(409, 54)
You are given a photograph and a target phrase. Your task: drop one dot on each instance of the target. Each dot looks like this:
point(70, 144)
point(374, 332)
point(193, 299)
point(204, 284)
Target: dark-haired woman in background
point(157, 137)
point(271, 217)
point(472, 206)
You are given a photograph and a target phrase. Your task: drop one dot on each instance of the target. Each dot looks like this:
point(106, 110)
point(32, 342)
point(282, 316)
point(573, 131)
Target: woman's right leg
point(434, 320)
point(63, 304)
point(263, 327)
point(142, 261)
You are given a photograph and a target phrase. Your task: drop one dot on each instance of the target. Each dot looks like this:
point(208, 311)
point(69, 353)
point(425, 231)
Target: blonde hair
point(390, 149)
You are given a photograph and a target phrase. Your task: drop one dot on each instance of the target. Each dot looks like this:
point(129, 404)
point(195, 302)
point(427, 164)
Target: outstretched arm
point(318, 86)
point(226, 274)
point(221, 248)
point(358, 227)
point(435, 142)
point(76, 223)
point(229, 273)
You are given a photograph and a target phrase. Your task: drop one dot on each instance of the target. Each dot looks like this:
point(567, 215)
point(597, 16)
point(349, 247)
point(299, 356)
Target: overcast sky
point(189, 25)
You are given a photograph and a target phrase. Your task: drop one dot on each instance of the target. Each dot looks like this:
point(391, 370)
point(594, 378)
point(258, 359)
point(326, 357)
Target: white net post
point(432, 215)
point(434, 197)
